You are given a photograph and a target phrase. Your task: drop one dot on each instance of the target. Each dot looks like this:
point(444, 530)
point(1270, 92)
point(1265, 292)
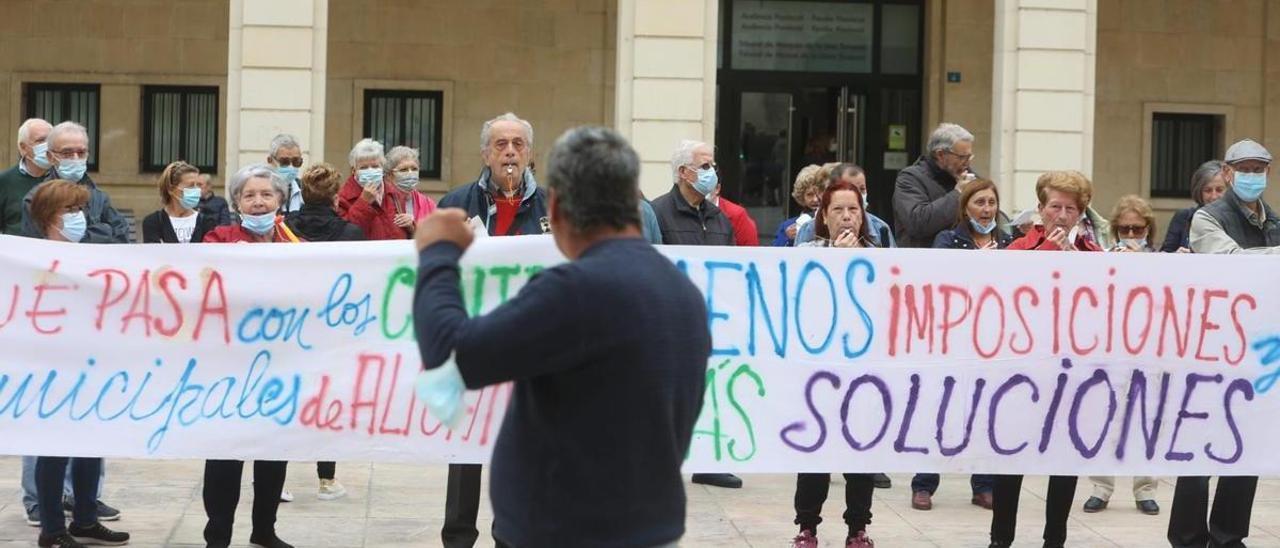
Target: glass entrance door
point(781, 132)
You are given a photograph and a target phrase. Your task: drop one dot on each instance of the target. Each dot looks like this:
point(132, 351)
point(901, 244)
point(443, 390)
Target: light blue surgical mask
point(369, 175)
point(441, 389)
point(706, 181)
point(258, 224)
point(73, 226)
point(72, 170)
point(406, 180)
point(191, 197)
point(1249, 186)
point(981, 228)
point(1134, 243)
point(40, 155)
point(288, 173)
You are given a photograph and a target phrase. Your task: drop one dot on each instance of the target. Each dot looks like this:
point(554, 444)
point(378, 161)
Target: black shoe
point(60, 540)
point(269, 540)
point(882, 481)
point(727, 481)
point(998, 545)
point(1149, 507)
point(105, 513)
point(1094, 504)
point(98, 535)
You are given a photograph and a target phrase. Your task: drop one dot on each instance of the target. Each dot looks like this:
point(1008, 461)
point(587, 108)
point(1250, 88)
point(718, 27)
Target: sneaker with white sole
point(286, 496)
point(97, 535)
point(33, 516)
point(330, 489)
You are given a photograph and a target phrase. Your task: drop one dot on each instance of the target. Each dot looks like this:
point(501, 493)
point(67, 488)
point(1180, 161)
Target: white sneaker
point(330, 489)
point(286, 496)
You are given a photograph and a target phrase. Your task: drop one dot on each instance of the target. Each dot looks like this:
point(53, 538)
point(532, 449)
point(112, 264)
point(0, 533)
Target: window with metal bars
point(1179, 144)
point(410, 118)
point(179, 123)
point(57, 103)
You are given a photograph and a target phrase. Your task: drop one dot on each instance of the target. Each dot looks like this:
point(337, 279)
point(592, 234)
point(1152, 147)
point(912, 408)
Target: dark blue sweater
point(609, 355)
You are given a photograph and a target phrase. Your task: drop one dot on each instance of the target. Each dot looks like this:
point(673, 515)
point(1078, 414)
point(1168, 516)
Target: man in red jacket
point(744, 227)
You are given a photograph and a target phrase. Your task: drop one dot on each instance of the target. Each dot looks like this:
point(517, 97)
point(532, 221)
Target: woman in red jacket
point(256, 194)
point(1064, 197)
point(370, 198)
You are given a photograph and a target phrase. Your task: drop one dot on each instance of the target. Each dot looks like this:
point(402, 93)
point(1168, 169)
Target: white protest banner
point(824, 360)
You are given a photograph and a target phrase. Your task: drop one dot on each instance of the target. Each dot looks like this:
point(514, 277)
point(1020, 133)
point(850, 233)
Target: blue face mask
point(288, 173)
point(1249, 186)
point(191, 197)
point(73, 226)
point(40, 155)
point(442, 389)
point(981, 228)
point(72, 170)
point(369, 175)
point(706, 182)
point(258, 224)
point(1134, 243)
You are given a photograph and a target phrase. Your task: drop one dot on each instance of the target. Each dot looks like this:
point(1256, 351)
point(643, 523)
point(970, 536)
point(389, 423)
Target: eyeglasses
point(965, 157)
point(1131, 230)
point(295, 162)
point(68, 153)
point(705, 166)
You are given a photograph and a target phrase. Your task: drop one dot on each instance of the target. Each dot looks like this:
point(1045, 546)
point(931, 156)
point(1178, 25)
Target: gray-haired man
point(285, 155)
point(68, 160)
point(926, 196)
point(582, 415)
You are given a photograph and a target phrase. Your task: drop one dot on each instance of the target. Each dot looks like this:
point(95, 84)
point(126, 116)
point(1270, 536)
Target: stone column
point(1043, 93)
point(276, 57)
point(666, 80)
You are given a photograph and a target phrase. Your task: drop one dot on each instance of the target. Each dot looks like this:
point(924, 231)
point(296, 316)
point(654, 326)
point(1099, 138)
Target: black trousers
point(326, 470)
point(1004, 508)
point(1228, 524)
point(461, 505)
point(50, 475)
point(812, 490)
point(222, 494)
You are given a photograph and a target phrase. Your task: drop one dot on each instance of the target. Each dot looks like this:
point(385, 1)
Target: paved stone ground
point(400, 505)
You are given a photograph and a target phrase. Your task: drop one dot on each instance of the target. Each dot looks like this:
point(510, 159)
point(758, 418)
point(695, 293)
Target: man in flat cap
point(1240, 222)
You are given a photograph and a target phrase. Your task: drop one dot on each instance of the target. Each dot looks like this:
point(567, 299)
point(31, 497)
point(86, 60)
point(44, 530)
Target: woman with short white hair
point(405, 168)
point(368, 201)
point(256, 194)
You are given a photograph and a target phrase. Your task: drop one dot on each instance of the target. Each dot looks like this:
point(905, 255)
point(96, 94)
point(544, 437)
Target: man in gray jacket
point(68, 158)
point(926, 196)
point(1238, 222)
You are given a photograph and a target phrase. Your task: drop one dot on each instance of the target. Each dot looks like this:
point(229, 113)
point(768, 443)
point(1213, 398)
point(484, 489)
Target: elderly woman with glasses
point(57, 210)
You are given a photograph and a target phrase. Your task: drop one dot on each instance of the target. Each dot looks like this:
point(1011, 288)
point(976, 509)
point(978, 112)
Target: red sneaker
point(806, 539)
point(860, 540)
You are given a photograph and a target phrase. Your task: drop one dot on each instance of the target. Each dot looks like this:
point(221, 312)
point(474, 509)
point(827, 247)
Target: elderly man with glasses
point(285, 157)
point(927, 194)
point(685, 216)
point(68, 154)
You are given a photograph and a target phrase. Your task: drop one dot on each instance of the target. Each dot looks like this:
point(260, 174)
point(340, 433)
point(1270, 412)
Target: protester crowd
point(938, 202)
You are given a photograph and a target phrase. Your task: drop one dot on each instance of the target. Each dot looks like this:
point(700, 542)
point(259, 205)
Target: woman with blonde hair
point(807, 191)
point(1133, 225)
point(179, 219)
